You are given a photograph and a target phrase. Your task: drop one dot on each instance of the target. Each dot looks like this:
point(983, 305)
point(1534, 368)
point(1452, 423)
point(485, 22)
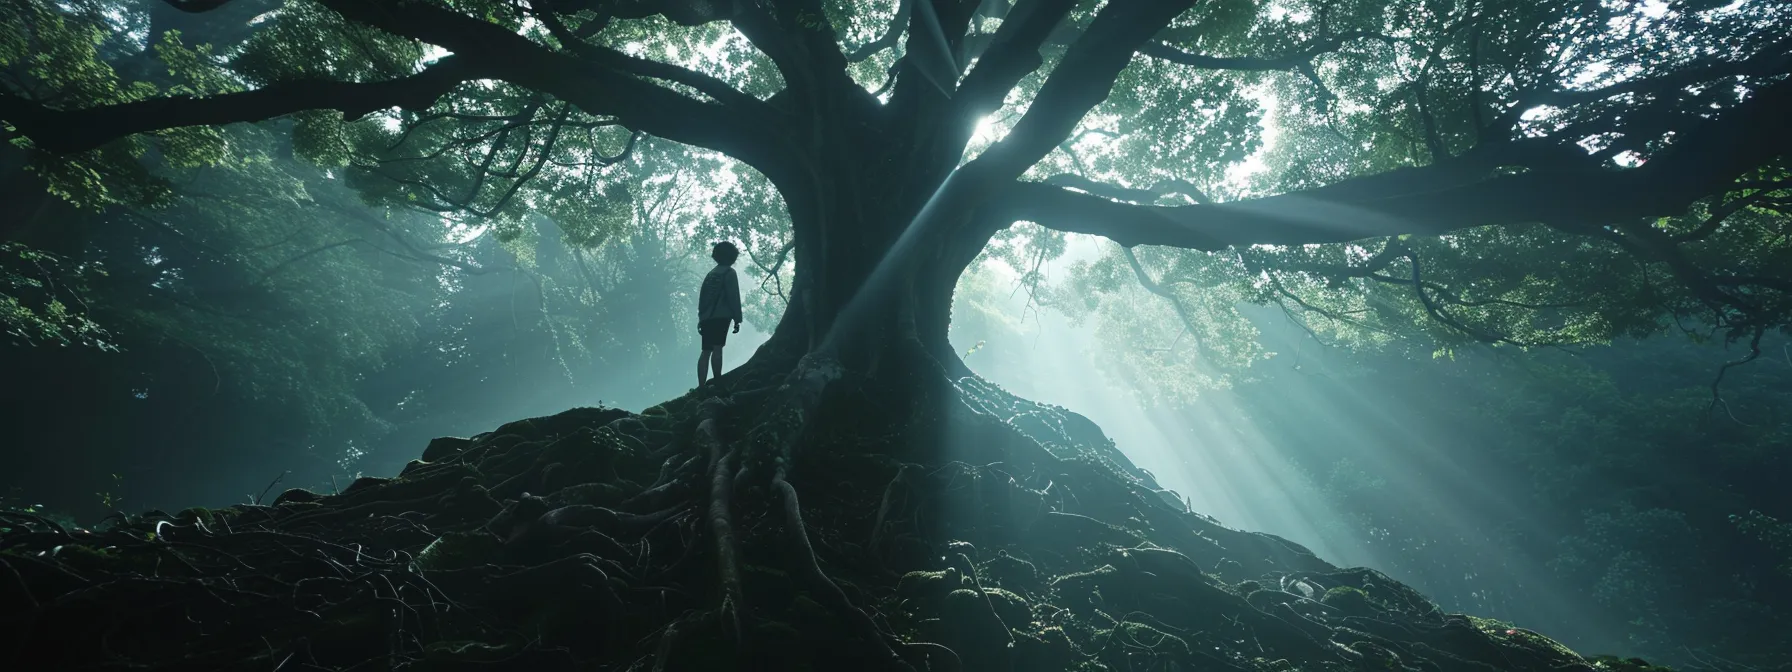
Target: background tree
point(254, 315)
point(1596, 497)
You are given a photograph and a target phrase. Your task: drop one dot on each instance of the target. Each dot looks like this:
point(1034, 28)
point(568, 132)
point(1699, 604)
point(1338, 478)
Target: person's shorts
point(714, 333)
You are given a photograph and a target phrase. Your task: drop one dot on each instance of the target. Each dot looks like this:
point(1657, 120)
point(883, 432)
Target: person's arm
point(733, 293)
point(704, 297)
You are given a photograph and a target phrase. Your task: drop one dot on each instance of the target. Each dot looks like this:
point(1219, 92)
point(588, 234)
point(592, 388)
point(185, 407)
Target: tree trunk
point(882, 236)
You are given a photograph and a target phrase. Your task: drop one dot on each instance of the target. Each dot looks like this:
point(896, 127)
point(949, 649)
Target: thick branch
point(794, 34)
point(739, 126)
point(1012, 54)
point(81, 130)
point(196, 6)
point(681, 12)
point(708, 85)
point(1715, 219)
point(1333, 214)
point(595, 88)
point(1300, 56)
point(1080, 82)
point(1774, 60)
point(930, 55)
point(891, 36)
point(1133, 194)
point(1459, 193)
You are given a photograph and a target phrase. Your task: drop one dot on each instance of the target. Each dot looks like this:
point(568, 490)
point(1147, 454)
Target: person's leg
point(715, 360)
point(703, 367)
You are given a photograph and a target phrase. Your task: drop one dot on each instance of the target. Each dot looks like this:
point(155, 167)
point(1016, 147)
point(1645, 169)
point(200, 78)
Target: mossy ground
point(977, 531)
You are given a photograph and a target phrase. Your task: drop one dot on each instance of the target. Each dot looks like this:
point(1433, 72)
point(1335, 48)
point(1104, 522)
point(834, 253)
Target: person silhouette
point(718, 303)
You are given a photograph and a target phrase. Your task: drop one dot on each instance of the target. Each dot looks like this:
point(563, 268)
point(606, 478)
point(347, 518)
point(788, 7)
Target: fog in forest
point(1415, 463)
point(1416, 289)
point(1263, 459)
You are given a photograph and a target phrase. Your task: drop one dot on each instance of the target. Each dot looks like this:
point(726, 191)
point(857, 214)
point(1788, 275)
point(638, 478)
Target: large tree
point(1500, 137)
point(1599, 121)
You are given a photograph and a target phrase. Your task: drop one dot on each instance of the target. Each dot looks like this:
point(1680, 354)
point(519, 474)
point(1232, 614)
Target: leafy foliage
point(36, 292)
point(344, 280)
point(1415, 83)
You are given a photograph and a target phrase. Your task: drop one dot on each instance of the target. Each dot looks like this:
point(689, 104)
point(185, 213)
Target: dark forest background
point(261, 322)
point(1602, 495)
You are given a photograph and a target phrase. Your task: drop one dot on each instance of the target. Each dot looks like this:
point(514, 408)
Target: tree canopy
point(1528, 173)
point(333, 223)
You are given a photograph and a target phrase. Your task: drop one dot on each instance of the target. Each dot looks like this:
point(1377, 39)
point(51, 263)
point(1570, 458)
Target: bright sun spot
point(1591, 73)
point(1539, 113)
point(986, 129)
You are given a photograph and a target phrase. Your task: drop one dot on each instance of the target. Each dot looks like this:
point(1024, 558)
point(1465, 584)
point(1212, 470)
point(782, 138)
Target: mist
point(1323, 449)
point(1396, 458)
point(1487, 306)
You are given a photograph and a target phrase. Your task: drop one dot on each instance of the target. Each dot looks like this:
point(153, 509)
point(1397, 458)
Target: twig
point(1717, 399)
point(271, 484)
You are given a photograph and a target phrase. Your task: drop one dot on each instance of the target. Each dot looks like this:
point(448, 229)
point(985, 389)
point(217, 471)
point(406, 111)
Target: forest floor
point(981, 532)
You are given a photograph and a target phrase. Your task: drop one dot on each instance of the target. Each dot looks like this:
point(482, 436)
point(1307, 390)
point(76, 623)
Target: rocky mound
point(984, 532)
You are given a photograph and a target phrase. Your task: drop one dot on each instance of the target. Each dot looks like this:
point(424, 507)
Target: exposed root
point(883, 507)
point(721, 525)
point(824, 587)
point(960, 527)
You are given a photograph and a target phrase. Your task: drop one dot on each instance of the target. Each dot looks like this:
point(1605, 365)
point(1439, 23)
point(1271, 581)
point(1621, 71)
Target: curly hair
point(724, 253)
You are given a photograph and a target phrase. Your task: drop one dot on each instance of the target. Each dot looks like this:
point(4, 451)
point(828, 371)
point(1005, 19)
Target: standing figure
point(718, 303)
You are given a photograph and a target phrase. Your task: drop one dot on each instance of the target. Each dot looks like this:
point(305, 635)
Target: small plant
point(113, 496)
point(974, 349)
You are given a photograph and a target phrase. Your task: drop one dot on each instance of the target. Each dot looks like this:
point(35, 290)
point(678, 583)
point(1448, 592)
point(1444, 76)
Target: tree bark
point(876, 265)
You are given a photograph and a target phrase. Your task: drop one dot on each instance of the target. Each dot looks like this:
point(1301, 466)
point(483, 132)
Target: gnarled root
point(721, 520)
point(455, 565)
point(823, 587)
